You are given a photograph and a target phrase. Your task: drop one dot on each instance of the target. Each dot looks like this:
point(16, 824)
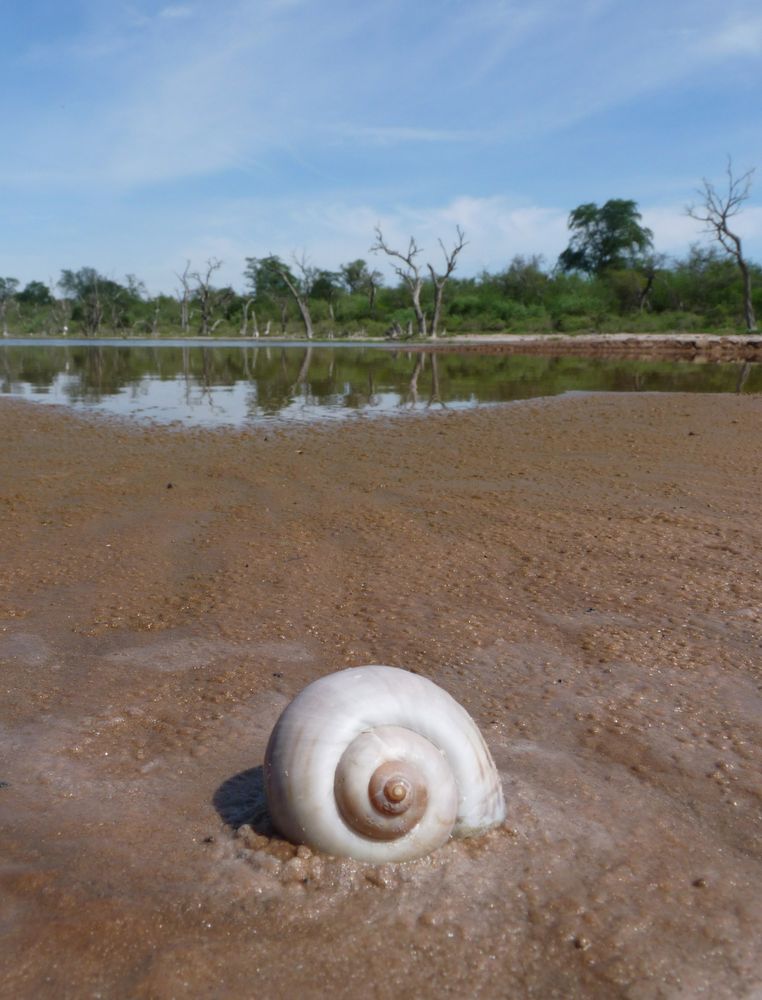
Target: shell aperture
point(379, 764)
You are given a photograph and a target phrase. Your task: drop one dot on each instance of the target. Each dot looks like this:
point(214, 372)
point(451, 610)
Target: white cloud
point(391, 134)
point(738, 37)
point(175, 12)
point(189, 90)
point(673, 230)
point(333, 232)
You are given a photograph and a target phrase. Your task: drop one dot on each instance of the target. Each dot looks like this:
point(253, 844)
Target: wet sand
point(582, 574)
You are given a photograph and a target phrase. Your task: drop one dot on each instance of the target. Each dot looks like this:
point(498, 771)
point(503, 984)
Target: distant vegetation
point(703, 291)
point(609, 279)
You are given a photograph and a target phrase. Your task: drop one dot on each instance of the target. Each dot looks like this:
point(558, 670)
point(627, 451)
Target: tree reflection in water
point(232, 384)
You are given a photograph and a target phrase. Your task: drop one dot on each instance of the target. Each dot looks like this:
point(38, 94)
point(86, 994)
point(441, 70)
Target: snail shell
point(379, 764)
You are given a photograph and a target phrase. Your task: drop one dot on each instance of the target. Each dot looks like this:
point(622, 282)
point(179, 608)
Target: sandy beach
point(581, 573)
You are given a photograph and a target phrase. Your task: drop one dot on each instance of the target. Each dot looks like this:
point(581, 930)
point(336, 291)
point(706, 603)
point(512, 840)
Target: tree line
point(609, 278)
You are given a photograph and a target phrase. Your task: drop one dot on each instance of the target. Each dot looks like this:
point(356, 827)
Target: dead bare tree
point(207, 296)
point(409, 270)
point(716, 211)
point(440, 280)
point(249, 305)
point(184, 297)
point(299, 289)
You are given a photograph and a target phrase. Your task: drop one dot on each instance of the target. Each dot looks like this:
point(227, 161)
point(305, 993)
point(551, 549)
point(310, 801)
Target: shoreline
point(673, 346)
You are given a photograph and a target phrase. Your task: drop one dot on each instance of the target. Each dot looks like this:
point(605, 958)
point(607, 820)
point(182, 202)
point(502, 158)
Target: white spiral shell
point(379, 764)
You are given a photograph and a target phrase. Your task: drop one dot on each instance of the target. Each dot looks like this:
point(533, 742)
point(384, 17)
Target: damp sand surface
point(582, 574)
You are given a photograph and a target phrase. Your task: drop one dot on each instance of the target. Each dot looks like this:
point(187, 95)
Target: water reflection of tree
point(412, 386)
point(372, 395)
point(250, 367)
point(301, 384)
point(90, 384)
point(275, 384)
point(744, 371)
point(436, 392)
point(410, 397)
point(7, 383)
point(353, 378)
point(304, 370)
point(209, 379)
point(187, 374)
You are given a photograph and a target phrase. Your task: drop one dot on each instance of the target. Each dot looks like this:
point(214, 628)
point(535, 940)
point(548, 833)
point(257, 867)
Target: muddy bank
point(580, 573)
point(634, 347)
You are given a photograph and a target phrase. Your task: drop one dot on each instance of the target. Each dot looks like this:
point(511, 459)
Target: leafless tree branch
point(205, 293)
point(299, 294)
point(715, 211)
point(408, 270)
point(184, 296)
point(440, 280)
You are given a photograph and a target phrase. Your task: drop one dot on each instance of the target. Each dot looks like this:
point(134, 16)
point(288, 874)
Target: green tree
point(135, 287)
point(524, 280)
point(83, 288)
point(705, 283)
point(355, 276)
point(96, 299)
point(359, 279)
point(325, 285)
point(605, 238)
point(35, 293)
point(270, 277)
point(264, 276)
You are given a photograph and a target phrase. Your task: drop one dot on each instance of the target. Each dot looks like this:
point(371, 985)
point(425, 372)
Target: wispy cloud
point(186, 90)
point(175, 11)
point(739, 36)
point(332, 232)
point(392, 134)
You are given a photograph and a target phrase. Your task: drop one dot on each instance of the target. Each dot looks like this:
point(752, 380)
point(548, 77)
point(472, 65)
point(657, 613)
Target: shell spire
point(379, 764)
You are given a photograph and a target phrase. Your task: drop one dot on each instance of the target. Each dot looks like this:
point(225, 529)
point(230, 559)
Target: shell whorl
point(380, 765)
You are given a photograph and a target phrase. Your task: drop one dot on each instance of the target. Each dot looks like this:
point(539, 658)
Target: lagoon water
point(232, 384)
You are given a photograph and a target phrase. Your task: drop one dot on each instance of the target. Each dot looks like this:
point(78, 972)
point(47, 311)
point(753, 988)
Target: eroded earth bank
point(582, 574)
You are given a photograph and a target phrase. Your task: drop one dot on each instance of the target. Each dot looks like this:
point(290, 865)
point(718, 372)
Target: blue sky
point(141, 134)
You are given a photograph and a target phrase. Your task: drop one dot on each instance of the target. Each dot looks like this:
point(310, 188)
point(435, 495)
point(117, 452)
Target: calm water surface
point(233, 384)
